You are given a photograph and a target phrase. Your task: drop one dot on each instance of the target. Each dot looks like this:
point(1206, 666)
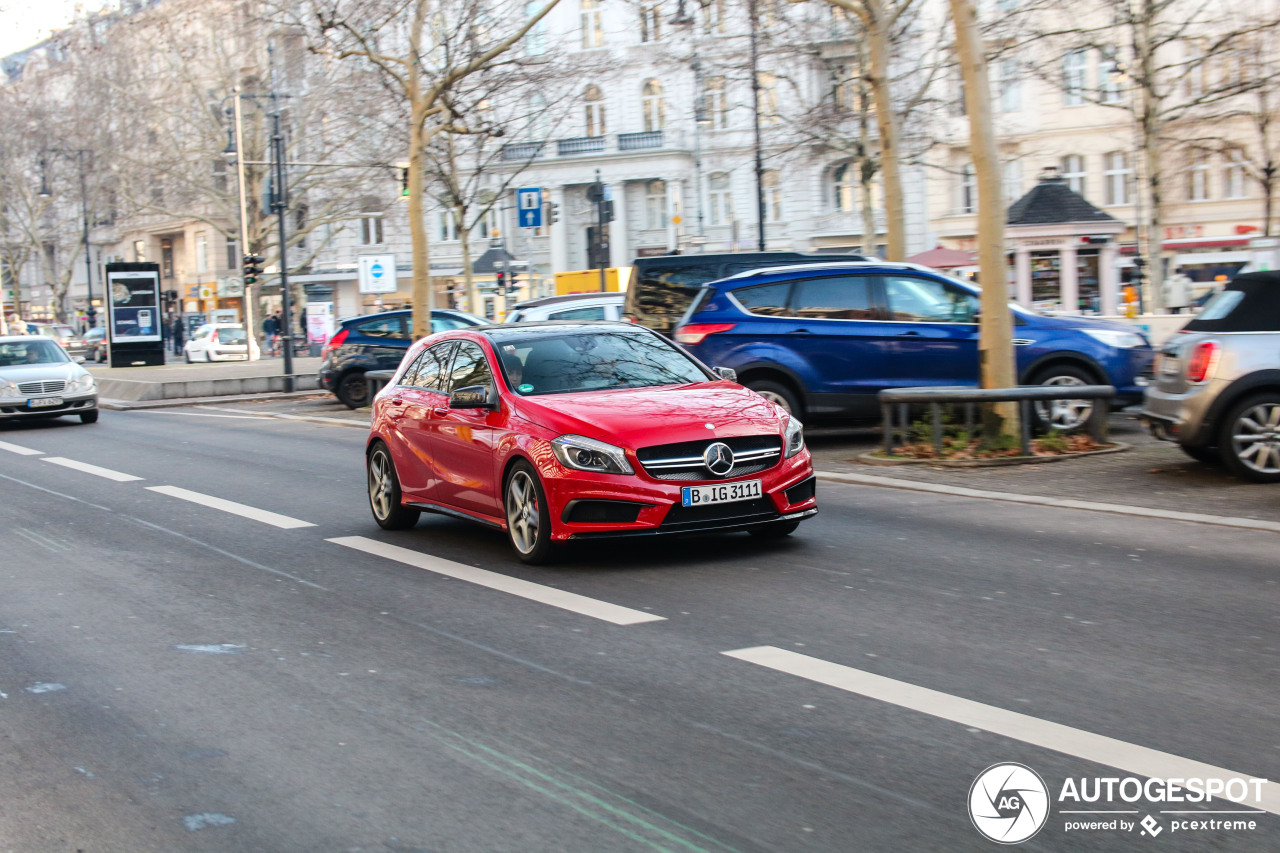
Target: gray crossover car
point(1216, 390)
point(39, 380)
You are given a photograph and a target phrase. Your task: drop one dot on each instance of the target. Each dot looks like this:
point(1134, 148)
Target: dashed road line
point(105, 473)
point(275, 519)
point(570, 601)
point(1099, 749)
point(19, 449)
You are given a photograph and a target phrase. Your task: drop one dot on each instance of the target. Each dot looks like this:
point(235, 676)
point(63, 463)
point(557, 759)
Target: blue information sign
point(529, 207)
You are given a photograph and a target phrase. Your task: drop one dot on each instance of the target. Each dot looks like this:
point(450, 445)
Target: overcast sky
point(25, 22)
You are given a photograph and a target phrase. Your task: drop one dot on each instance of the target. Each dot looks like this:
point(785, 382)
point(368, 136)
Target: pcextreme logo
point(1009, 803)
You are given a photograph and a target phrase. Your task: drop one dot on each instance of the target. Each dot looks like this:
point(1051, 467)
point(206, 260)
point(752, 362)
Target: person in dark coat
point(178, 334)
point(271, 331)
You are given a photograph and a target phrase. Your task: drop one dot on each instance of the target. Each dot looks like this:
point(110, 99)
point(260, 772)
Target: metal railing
point(376, 380)
point(580, 145)
point(523, 151)
point(639, 141)
point(899, 401)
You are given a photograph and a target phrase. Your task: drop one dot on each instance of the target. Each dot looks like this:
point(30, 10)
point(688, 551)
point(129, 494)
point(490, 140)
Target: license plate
point(1169, 366)
point(42, 402)
point(721, 493)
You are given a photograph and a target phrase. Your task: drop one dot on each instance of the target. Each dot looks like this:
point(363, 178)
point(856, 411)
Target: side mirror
point(79, 359)
point(473, 397)
point(726, 373)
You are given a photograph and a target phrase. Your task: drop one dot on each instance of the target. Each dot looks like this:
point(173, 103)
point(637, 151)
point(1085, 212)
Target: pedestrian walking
point(179, 334)
point(271, 331)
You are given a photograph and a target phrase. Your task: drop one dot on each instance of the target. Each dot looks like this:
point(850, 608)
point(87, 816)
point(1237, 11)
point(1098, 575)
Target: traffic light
point(553, 212)
point(404, 182)
point(252, 268)
point(502, 280)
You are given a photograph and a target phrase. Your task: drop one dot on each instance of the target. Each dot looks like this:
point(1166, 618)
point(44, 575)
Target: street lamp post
point(280, 206)
point(754, 15)
point(232, 152)
point(79, 153)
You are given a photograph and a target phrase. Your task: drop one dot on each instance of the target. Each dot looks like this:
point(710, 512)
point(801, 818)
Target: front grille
point(738, 512)
point(51, 387)
point(802, 491)
point(602, 512)
point(683, 460)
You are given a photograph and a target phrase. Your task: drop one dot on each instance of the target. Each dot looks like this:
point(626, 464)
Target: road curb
point(1040, 500)
point(112, 404)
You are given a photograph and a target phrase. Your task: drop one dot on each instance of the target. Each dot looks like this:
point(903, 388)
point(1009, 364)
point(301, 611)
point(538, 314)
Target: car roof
point(513, 331)
point(402, 312)
point(569, 297)
point(833, 266)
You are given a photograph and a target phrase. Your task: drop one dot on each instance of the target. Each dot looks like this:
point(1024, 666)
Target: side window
point(668, 292)
point(428, 372)
point(447, 324)
point(846, 297)
point(383, 327)
point(769, 300)
point(470, 367)
point(924, 300)
point(591, 313)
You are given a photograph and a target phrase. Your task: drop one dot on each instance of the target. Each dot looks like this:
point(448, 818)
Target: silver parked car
point(1216, 390)
point(39, 380)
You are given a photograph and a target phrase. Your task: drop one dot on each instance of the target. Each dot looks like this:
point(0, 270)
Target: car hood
point(1044, 321)
point(65, 371)
point(646, 416)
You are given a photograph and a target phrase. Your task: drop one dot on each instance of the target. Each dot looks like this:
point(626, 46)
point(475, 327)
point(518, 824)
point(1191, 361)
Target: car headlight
point(1121, 338)
point(8, 389)
point(81, 383)
point(587, 454)
point(793, 435)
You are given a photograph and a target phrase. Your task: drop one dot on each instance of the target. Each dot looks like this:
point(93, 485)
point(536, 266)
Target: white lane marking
point(91, 469)
point(1091, 747)
point(1040, 500)
point(19, 449)
point(275, 519)
point(201, 414)
point(524, 589)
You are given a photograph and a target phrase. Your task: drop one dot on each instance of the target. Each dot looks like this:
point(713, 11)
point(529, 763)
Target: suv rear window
point(383, 327)
point(668, 293)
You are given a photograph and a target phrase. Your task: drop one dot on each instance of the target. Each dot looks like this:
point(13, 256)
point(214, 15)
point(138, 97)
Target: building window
point(842, 181)
point(535, 41)
point(595, 110)
point(1194, 62)
point(539, 125)
point(768, 83)
point(202, 252)
point(139, 252)
point(968, 196)
point(1234, 184)
point(721, 197)
point(717, 103)
point(654, 106)
point(959, 105)
point(1116, 174)
point(1073, 172)
point(844, 89)
point(1010, 86)
point(1074, 74)
point(219, 175)
point(1198, 177)
point(713, 17)
point(651, 22)
point(1011, 181)
point(655, 205)
point(1109, 77)
point(592, 24)
point(233, 255)
point(371, 230)
point(771, 183)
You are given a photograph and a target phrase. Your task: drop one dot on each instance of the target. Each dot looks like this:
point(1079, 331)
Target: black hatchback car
point(375, 342)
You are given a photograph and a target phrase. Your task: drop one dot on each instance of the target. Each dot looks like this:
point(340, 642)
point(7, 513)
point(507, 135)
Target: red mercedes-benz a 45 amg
point(560, 431)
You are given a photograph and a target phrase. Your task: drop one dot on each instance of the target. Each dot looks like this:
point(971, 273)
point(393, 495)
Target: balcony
point(639, 141)
point(580, 145)
point(522, 151)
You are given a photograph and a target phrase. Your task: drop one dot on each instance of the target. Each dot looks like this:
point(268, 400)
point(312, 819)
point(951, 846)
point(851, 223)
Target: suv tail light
point(694, 333)
point(213, 337)
point(1204, 358)
point(333, 344)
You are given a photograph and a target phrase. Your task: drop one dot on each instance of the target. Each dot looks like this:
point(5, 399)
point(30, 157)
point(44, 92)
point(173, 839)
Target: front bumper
point(18, 408)
point(657, 503)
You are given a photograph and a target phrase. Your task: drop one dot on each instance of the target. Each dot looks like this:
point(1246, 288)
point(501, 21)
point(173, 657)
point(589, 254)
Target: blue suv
point(822, 340)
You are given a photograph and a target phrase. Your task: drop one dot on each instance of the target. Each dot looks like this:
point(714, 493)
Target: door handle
point(909, 335)
point(799, 332)
point(396, 401)
point(440, 412)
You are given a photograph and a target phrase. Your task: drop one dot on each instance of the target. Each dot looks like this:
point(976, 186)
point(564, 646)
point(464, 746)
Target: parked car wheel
point(353, 390)
point(777, 530)
point(776, 392)
point(1250, 438)
point(1063, 414)
point(89, 417)
point(384, 492)
point(528, 521)
point(1209, 455)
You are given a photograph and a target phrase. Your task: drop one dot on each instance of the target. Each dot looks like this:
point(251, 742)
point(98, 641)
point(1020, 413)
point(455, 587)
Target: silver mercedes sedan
point(39, 380)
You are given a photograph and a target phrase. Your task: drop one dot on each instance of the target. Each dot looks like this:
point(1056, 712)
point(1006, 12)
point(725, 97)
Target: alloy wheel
point(523, 512)
point(381, 485)
point(1255, 438)
point(1064, 414)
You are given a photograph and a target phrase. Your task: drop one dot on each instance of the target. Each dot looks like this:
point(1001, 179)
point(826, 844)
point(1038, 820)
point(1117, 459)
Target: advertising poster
point(319, 322)
point(134, 305)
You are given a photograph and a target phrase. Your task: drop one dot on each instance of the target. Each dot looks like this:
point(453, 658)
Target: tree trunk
point(423, 298)
point(995, 341)
point(866, 172)
point(1150, 123)
point(887, 120)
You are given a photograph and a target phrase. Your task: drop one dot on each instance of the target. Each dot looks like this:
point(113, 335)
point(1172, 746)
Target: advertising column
point(135, 328)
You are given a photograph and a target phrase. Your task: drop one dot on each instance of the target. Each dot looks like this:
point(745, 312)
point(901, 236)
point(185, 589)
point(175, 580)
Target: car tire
point(352, 390)
point(776, 392)
point(89, 417)
point(384, 492)
point(1209, 455)
point(524, 505)
point(774, 530)
point(1249, 438)
point(1054, 415)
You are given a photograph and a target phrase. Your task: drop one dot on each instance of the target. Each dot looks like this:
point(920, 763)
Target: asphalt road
point(178, 676)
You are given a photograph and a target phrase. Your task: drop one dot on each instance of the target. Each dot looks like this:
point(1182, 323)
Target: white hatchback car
point(570, 306)
point(220, 342)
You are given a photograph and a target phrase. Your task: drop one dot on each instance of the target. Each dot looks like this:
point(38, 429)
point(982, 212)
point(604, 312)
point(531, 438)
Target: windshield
point(1221, 304)
point(594, 361)
point(33, 351)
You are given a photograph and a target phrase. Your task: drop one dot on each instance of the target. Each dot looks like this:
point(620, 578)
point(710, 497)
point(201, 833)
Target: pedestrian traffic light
point(252, 268)
point(501, 279)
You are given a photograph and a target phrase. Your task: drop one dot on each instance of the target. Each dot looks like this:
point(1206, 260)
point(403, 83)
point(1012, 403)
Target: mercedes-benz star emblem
point(718, 458)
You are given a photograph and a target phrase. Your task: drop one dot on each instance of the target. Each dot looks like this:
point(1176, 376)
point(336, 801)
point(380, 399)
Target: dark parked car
point(1217, 386)
point(95, 344)
point(63, 334)
point(375, 342)
point(822, 340)
point(662, 286)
